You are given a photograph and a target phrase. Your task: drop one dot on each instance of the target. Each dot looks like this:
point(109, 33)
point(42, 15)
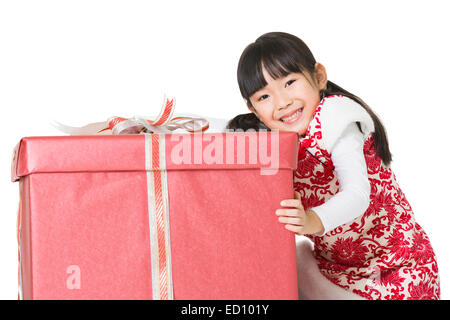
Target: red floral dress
point(382, 254)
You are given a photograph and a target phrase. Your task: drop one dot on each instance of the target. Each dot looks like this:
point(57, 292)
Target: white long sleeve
point(353, 197)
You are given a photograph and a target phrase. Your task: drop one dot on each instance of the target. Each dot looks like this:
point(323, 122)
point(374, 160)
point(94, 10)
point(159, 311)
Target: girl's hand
point(297, 219)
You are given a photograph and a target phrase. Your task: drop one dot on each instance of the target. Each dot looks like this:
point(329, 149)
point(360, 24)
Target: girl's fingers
point(294, 203)
point(293, 221)
point(288, 212)
point(297, 229)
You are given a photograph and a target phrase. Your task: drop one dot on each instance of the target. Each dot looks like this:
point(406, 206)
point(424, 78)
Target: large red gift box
point(155, 216)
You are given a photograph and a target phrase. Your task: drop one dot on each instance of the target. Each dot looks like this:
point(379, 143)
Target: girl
point(367, 244)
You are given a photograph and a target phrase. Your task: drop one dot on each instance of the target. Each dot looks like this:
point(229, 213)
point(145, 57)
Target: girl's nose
point(283, 101)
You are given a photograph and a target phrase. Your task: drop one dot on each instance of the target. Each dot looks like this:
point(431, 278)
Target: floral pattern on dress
point(384, 254)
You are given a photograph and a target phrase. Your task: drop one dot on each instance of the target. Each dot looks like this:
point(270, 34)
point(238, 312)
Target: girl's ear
point(251, 108)
point(321, 75)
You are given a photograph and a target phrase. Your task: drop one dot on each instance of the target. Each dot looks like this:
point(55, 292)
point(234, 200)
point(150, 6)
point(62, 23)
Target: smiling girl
point(366, 242)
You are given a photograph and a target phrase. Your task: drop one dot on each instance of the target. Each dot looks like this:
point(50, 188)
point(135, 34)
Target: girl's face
point(289, 103)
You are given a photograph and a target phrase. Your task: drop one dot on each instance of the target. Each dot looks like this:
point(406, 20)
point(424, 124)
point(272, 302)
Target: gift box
point(155, 216)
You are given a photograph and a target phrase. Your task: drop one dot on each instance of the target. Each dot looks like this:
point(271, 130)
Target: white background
point(84, 61)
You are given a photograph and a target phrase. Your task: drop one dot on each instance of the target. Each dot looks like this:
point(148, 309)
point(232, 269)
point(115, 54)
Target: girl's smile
point(292, 116)
point(288, 103)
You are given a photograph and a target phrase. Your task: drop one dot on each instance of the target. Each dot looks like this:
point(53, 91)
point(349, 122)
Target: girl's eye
point(263, 97)
point(289, 82)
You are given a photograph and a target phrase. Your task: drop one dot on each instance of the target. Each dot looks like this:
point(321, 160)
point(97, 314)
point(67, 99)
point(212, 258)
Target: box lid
point(267, 151)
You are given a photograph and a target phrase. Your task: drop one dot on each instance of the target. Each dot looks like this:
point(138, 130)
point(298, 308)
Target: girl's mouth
point(292, 117)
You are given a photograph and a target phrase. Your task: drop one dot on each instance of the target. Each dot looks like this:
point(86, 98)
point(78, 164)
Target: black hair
point(281, 54)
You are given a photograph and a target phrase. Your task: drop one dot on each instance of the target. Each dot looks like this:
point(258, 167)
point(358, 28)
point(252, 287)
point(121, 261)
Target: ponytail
point(245, 122)
point(380, 140)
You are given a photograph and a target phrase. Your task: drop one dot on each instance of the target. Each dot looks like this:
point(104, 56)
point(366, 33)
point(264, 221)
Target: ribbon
point(164, 123)
point(158, 217)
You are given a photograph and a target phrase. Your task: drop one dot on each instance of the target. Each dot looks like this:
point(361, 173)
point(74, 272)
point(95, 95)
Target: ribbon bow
point(164, 123)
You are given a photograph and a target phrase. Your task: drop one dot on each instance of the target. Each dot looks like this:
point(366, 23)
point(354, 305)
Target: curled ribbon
point(164, 123)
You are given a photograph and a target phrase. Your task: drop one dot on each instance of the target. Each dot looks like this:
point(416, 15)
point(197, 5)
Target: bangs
point(277, 59)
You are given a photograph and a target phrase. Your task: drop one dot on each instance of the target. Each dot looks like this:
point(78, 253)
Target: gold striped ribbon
point(158, 211)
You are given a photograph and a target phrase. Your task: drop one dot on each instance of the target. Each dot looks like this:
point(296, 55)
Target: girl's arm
point(350, 202)
point(353, 197)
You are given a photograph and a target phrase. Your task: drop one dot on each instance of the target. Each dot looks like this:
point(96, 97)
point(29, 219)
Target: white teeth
point(291, 117)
